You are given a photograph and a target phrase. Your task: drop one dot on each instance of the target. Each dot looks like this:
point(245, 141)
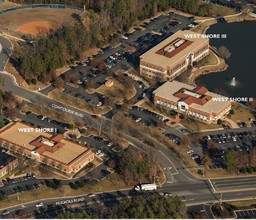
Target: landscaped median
point(120, 89)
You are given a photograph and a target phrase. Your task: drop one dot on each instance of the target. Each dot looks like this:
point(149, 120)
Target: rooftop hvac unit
point(167, 48)
point(171, 49)
point(179, 43)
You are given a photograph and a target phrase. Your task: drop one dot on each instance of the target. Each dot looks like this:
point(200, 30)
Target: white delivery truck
point(147, 186)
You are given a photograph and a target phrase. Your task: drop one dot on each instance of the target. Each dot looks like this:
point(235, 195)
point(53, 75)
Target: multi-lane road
point(179, 181)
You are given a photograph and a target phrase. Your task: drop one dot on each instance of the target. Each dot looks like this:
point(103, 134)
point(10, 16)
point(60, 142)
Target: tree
point(231, 160)
point(219, 121)
point(224, 52)
point(90, 84)
point(231, 111)
point(58, 83)
point(206, 161)
point(11, 113)
point(185, 141)
point(112, 164)
point(108, 101)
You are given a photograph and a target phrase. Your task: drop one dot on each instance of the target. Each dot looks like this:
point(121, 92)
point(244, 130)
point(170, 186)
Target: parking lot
point(145, 116)
point(18, 185)
point(42, 121)
point(142, 39)
point(249, 213)
point(240, 139)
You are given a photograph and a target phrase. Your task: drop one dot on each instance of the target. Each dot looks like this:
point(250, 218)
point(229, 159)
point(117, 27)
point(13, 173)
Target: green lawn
point(195, 125)
point(221, 10)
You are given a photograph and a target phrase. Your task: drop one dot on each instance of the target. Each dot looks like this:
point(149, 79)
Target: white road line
point(211, 185)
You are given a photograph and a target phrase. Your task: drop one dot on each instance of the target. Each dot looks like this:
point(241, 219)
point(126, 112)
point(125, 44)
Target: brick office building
point(196, 102)
point(173, 55)
point(52, 150)
point(7, 162)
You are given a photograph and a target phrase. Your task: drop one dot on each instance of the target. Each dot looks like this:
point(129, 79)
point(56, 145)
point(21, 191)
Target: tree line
point(107, 19)
point(151, 206)
point(37, 61)
point(137, 167)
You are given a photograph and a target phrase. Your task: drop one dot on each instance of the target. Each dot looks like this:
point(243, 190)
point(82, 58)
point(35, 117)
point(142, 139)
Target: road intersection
point(178, 180)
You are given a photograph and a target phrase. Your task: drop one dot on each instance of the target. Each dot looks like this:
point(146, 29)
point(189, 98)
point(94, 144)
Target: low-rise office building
point(196, 102)
point(7, 162)
point(46, 148)
point(173, 55)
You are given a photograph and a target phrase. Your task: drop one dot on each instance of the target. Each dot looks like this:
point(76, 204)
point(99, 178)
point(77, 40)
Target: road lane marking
point(211, 185)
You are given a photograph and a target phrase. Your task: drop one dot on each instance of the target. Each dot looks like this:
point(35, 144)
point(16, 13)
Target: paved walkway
point(231, 122)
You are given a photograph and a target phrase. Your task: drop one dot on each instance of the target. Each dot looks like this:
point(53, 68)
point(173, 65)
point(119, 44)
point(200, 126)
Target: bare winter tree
point(224, 52)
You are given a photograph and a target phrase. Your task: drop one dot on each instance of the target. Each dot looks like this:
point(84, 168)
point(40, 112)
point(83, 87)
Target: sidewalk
point(231, 122)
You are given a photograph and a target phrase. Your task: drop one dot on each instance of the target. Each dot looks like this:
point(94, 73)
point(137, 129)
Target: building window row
point(166, 104)
point(197, 115)
point(176, 67)
point(204, 48)
point(153, 67)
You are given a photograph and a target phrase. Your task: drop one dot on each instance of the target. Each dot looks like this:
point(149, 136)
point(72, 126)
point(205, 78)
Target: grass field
point(241, 113)
point(210, 59)
point(118, 91)
point(219, 10)
point(243, 204)
point(195, 125)
point(16, 19)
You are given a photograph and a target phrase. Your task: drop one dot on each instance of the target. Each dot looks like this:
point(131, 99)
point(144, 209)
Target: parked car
point(190, 151)
point(138, 120)
point(38, 205)
point(5, 212)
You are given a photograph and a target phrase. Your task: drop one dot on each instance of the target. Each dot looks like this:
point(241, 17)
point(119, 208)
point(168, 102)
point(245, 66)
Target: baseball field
point(38, 20)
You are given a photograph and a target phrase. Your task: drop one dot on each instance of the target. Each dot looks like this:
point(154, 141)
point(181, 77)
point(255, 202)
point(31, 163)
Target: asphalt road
point(192, 190)
point(235, 184)
point(5, 53)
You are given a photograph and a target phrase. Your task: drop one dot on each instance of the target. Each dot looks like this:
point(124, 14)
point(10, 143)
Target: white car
point(99, 104)
point(190, 151)
point(91, 195)
point(38, 205)
point(124, 37)
point(138, 120)
point(110, 144)
point(5, 212)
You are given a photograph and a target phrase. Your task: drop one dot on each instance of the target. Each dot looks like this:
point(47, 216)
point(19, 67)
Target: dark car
point(37, 186)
